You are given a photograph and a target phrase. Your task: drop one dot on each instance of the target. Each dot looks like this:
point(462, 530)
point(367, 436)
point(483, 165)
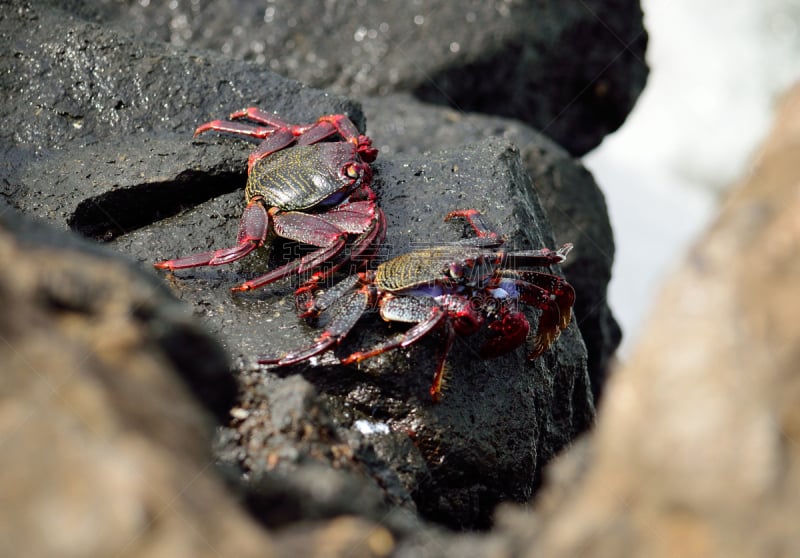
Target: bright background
point(718, 68)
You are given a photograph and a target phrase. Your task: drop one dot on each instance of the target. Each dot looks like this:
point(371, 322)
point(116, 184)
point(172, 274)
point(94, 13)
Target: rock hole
point(119, 212)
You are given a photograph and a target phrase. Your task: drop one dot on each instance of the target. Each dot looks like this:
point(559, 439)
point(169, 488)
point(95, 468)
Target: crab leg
point(349, 310)
point(427, 314)
point(372, 233)
point(308, 229)
point(272, 123)
point(306, 134)
point(422, 311)
point(314, 306)
point(353, 217)
point(475, 220)
point(253, 230)
point(536, 258)
point(238, 128)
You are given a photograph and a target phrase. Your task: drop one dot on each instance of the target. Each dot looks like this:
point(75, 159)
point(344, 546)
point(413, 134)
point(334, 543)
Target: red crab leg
point(324, 127)
point(260, 116)
point(315, 305)
point(422, 311)
point(536, 258)
point(428, 315)
point(253, 230)
point(359, 250)
point(239, 128)
point(349, 311)
point(308, 229)
point(361, 217)
point(371, 237)
point(475, 220)
point(438, 374)
point(353, 217)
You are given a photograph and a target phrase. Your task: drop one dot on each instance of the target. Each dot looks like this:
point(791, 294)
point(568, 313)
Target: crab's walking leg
point(306, 134)
point(356, 217)
point(543, 257)
point(347, 312)
point(308, 229)
point(475, 220)
point(427, 314)
point(253, 230)
point(280, 134)
point(309, 305)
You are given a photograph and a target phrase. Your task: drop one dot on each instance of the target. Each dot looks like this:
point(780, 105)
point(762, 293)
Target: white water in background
point(718, 68)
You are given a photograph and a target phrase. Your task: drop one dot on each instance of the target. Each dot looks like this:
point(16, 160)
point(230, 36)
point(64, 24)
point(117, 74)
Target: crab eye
point(351, 171)
point(456, 271)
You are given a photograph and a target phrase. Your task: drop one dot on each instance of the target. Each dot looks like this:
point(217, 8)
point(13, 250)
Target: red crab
point(457, 287)
point(303, 190)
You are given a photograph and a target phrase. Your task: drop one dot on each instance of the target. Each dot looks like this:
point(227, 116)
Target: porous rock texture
point(570, 68)
point(108, 387)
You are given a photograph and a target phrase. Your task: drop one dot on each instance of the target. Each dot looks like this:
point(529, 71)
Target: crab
point(455, 287)
point(300, 189)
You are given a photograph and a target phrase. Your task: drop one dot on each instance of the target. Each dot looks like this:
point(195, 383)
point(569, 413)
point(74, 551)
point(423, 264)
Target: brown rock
point(105, 452)
point(697, 451)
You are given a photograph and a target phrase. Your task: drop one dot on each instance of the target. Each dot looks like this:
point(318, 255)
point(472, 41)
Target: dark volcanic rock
point(570, 68)
point(55, 157)
point(85, 106)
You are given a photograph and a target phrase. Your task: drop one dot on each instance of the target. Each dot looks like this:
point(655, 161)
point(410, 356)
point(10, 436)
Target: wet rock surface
point(572, 69)
point(109, 387)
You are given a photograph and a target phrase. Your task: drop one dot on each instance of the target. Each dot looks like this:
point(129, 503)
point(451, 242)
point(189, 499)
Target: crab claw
point(365, 150)
point(506, 334)
point(548, 331)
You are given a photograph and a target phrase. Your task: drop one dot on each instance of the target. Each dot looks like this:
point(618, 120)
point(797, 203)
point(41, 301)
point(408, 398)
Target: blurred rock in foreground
point(697, 448)
point(104, 451)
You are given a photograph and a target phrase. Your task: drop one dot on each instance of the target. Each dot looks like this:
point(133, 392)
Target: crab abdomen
point(302, 177)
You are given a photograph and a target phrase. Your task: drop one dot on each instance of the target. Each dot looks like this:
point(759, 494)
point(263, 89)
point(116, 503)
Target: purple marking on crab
point(505, 289)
